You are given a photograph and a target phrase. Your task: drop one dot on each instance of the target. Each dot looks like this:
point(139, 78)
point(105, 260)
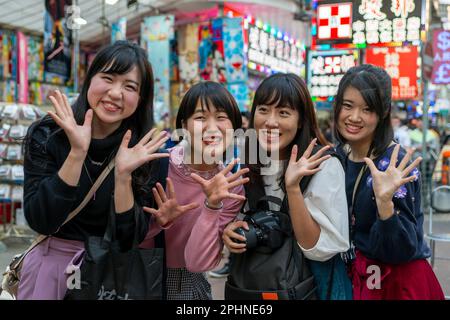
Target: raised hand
point(129, 159)
point(229, 234)
point(168, 207)
point(386, 183)
point(305, 166)
point(79, 136)
point(216, 189)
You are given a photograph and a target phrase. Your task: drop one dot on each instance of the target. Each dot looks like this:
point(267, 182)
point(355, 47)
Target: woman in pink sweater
point(203, 194)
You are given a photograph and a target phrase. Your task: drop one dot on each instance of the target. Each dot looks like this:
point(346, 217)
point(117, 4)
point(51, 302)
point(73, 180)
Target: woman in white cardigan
point(313, 180)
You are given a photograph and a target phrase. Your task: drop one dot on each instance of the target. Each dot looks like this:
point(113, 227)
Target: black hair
point(287, 90)
point(209, 94)
point(246, 114)
point(118, 58)
point(374, 84)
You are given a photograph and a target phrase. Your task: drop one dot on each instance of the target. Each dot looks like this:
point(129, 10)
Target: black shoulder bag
point(109, 273)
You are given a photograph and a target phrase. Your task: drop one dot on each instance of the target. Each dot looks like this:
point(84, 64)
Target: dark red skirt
point(373, 280)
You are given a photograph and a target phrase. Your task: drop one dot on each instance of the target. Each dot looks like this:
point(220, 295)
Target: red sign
point(334, 21)
point(401, 64)
point(441, 57)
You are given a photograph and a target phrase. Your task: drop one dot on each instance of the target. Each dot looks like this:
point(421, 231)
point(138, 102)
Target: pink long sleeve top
point(194, 240)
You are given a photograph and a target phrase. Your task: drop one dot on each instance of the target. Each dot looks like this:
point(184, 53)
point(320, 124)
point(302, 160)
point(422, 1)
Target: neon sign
point(273, 52)
point(326, 71)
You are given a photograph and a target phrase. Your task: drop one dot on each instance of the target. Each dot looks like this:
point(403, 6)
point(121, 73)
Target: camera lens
point(241, 232)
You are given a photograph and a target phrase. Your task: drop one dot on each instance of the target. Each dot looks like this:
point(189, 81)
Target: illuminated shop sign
point(377, 21)
point(334, 21)
point(402, 65)
point(271, 51)
point(326, 71)
point(441, 57)
point(369, 22)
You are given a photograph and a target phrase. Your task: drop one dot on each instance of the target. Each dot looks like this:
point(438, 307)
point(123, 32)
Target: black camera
point(264, 230)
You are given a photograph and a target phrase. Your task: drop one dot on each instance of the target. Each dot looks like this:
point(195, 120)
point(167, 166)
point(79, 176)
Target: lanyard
point(358, 180)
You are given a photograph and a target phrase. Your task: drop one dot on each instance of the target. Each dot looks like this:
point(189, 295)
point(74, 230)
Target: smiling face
point(356, 122)
point(114, 97)
point(276, 127)
point(211, 131)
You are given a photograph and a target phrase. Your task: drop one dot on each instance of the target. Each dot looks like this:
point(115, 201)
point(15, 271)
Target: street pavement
point(442, 266)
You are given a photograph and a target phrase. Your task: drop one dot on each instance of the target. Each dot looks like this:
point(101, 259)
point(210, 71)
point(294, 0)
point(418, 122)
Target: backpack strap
point(160, 239)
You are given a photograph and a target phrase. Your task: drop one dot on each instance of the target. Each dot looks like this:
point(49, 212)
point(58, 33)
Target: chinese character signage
point(273, 51)
point(401, 64)
point(441, 57)
point(326, 71)
point(369, 22)
point(383, 22)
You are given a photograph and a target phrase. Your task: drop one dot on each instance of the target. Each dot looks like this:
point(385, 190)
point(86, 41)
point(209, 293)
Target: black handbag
point(110, 273)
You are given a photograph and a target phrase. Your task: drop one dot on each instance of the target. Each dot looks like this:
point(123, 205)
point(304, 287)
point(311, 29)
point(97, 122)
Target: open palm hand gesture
point(305, 166)
point(79, 136)
point(129, 159)
point(386, 183)
point(168, 207)
point(217, 188)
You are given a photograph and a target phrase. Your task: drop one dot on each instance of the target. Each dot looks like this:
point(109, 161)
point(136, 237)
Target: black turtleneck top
point(48, 200)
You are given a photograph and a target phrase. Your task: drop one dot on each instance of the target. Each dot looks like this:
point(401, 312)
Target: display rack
point(14, 122)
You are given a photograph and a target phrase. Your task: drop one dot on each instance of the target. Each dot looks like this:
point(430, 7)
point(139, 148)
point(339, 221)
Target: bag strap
point(72, 215)
point(358, 180)
point(160, 240)
point(91, 192)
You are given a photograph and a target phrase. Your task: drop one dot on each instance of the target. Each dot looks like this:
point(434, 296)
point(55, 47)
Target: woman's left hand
point(129, 159)
point(386, 183)
point(216, 189)
point(305, 166)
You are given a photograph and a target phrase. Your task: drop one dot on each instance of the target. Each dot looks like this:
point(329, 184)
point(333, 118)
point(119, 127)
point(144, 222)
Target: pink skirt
point(46, 269)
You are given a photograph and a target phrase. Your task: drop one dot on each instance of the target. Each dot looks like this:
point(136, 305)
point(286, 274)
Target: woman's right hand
point(79, 136)
point(229, 235)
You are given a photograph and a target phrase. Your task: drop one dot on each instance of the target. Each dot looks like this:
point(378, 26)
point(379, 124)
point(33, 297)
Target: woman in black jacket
point(65, 153)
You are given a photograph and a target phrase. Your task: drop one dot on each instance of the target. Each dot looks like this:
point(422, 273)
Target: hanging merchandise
point(156, 34)
point(174, 63)
point(22, 66)
point(402, 64)
point(57, 42)
point(236, 68)
point(8, 69)
point(218, 62)
point(205, 51)
point(35, 59)
point(119, 30)
point(188, 54)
